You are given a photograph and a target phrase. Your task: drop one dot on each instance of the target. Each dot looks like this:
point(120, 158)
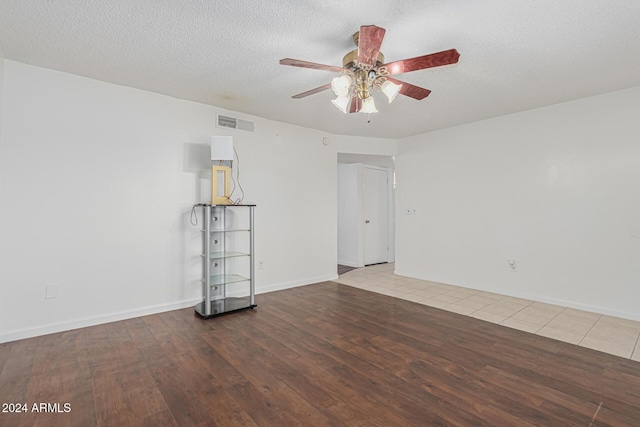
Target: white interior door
point(376, 212)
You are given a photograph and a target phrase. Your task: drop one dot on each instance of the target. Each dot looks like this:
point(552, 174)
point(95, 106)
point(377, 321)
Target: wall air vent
point(233, 123)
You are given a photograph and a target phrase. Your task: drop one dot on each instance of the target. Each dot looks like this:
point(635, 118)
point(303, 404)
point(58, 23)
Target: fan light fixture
point(365, 72)
point(368, 105)
point(362, 83)
point(342, 103)
point(391, 90)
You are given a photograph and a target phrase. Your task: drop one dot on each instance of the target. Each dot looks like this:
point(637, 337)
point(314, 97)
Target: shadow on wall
point(197, 160)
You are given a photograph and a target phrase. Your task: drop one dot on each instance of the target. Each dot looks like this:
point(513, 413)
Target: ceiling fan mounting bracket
point(356, 37)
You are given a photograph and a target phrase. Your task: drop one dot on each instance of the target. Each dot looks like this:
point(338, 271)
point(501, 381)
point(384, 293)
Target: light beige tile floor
point(596, 331)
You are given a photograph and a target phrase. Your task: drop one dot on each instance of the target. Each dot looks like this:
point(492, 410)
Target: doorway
point(365, 193)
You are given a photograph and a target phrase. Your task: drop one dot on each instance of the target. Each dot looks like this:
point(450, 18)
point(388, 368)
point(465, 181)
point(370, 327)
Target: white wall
point(97, 188)
point(367, 146)
point(1, 106)
point(555, 189)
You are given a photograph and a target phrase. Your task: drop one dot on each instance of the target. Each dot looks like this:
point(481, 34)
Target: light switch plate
point(51, 291)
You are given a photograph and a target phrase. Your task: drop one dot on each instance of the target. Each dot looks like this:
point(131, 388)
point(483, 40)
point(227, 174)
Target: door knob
point(366, 221)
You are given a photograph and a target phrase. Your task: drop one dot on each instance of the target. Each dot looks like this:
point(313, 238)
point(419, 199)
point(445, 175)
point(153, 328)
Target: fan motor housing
point(350, 59)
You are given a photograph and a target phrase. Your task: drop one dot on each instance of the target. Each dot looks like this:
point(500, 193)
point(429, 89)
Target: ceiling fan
point(364, 71)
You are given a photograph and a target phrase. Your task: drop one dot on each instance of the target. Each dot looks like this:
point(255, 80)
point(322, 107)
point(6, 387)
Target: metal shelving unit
point(228, 259)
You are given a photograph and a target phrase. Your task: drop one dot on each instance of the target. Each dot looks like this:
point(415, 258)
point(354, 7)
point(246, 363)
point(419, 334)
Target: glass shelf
point(231, 230)
point(213, 205)
point(222, 279)
point(228, 254)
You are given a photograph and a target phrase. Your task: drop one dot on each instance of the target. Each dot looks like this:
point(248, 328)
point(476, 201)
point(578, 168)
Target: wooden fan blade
point(445, 57)
point(312, 91)
point(313, 65)
point(369, 43)
point(356, 105)
point(412, 91)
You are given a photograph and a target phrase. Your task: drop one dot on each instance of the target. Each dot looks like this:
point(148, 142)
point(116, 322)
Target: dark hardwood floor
point(324, 354)
point(344, 269)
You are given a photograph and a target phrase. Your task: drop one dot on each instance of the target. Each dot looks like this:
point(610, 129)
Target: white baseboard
point(94, 320)
point(294, 284)
point(348, 263)
point(538, 298)
point(583, 307)
point(138, 312)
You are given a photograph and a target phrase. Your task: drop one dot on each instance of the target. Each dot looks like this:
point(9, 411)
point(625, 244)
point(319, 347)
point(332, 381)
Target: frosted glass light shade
point(340, 85)
point(391, 90)
point(368, 105)
point(341, 103)
point(221, 148)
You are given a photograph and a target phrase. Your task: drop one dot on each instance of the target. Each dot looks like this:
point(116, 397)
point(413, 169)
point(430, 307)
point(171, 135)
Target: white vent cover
point(234, 123)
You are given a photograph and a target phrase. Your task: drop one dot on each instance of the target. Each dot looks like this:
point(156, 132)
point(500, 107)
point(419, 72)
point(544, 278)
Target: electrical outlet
point(260, 265)
point(512, 264)
point(409, 211)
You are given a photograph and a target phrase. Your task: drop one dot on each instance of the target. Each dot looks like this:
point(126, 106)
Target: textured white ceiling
point(515, 55)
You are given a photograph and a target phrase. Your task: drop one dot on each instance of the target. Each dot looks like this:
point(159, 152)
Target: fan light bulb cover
point(341, 103)
point(391, 90)
point(341, 85)
point(368, 105)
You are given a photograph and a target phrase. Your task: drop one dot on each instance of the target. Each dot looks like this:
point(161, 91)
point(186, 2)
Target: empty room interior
point(320, 213)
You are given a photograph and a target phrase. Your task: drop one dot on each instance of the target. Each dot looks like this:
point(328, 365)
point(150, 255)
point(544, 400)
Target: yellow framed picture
point(220, 185)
